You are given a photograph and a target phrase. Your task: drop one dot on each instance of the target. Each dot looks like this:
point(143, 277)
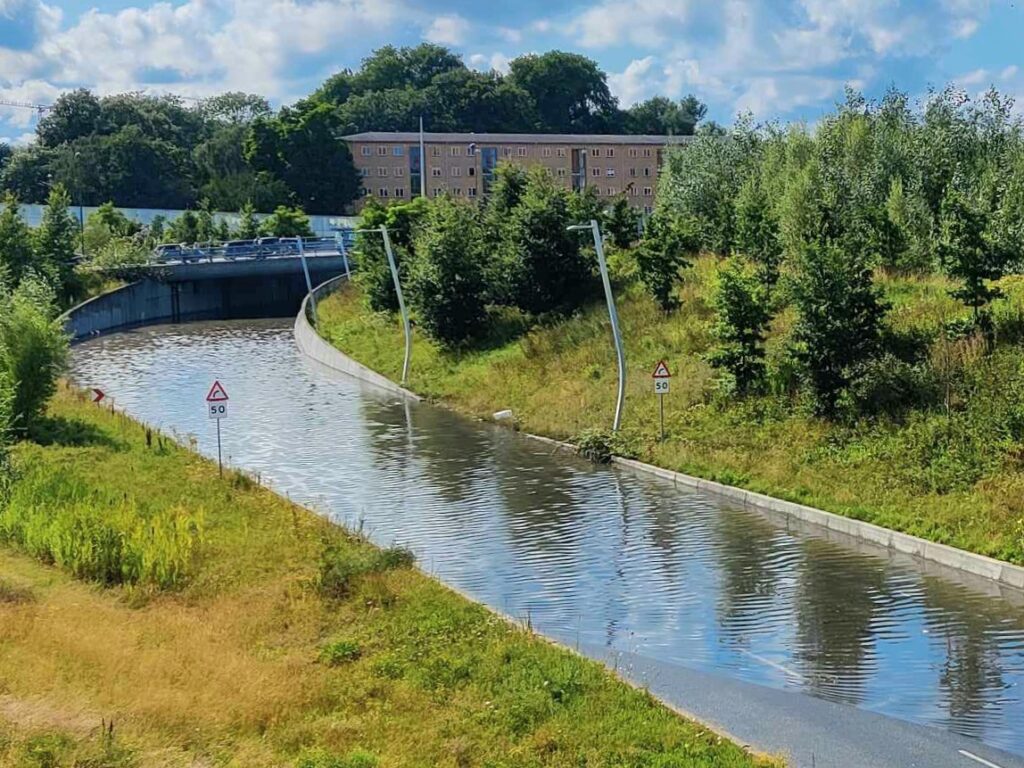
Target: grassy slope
point(226, 671)
point(561, 380)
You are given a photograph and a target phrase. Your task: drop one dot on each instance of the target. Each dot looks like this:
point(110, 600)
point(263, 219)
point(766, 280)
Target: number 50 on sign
point(218, 410)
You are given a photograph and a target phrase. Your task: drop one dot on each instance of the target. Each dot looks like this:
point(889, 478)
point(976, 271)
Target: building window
point(383, 192)
point(521, 151)
point(399, 192)
point(610, 172)
point(399, 172)
point(561, 172)
point(561, 151)
point(632, 173)
point(382, 171)
point(506, 151)
point(595, 153)
point(632, 153)
point(435, 191)
point(457, 191)
point(435, 151)
point(545, 152)
point(456, 171)
point(364, 171)
point(471, 191)
point(382, 150)
point(647, 171)
point(647, 153)
point(610, 152)
point(364, 192)
point(648, 192)
point(435, 172)
point(596, 172)
point(648, 210)
point(612, 191)
point(634, 191)
point(472, 171)
point(398, 151)
point(455, 151)
point(366, 151)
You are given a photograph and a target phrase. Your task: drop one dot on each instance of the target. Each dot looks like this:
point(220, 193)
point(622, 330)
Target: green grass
point(953, 476)
point(289, 641)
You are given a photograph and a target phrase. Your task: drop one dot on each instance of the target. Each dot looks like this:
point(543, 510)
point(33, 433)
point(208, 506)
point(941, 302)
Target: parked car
point(234, 249)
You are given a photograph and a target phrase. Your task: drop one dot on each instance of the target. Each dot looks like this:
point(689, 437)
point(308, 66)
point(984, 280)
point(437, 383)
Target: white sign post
point(661, 377)
point(217, 408)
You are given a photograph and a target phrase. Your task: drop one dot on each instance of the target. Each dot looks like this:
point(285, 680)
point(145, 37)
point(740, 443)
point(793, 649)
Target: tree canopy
point(139, 150)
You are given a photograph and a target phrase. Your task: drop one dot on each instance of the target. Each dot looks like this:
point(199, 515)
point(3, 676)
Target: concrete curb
point(313, 345)
point(943, 554)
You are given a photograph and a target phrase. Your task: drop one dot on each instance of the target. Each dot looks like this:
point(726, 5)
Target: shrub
point(741, 307)
point(757, 229)
point(967, 254)
point(891, 386)
point(622, 222)
point(447, 286)
point(33, 350)
point(286, 222)
point(340, 566)
point(596, 445)
point(340, 652)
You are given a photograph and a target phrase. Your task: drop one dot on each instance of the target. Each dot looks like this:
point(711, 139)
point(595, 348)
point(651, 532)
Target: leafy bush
point(340, 652)
point(286, 222)
point(447, 285)
point(891, 386)
point(340, 566)
point(33, 350)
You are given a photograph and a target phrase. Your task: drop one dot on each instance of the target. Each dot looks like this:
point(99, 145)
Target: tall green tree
point(447, 282)
point(287, 222)
point(622, 222)
point(757, 229)
point(570, 91)
point(840, 312)
point(663, 254)
point(16, 256)
point(55, 242)
point(248, 226)
point(967, 253)
point(663, 116)
point(741, 308)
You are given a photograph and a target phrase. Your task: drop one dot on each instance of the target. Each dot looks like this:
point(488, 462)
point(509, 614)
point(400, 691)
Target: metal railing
point(262, 248)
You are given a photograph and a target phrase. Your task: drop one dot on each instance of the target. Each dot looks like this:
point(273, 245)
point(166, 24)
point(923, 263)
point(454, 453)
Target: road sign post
point(661, 377)
point(217, 408)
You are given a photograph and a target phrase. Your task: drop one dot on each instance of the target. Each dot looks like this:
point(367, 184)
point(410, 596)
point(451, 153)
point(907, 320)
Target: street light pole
point(612, 314)
point(406, 328)
point(309, 283)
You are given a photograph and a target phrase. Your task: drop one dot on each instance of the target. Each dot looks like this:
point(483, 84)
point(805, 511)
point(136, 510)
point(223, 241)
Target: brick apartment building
point(464, 163)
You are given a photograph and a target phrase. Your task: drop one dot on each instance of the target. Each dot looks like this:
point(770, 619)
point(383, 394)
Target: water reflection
point(591, 554)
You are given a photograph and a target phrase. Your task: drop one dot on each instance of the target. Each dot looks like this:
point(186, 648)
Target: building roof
point(513, 138)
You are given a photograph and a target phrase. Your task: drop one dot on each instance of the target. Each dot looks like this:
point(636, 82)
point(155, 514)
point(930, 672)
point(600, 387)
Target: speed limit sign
point(218, 410)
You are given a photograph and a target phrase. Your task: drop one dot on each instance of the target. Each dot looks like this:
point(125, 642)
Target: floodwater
point(593, 556)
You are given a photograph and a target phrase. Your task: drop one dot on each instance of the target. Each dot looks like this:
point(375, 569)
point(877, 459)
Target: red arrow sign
point(217, 394)
point(661, 371)
point(97, 394)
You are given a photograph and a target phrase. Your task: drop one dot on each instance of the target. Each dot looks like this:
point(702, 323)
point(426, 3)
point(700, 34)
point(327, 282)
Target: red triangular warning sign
point(216, 393)
point(661, 371)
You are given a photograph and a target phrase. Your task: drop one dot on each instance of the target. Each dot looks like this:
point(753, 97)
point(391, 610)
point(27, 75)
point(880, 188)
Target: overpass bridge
point(216, 288)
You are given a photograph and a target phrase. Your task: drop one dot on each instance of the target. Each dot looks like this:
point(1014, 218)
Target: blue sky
point(779, 59)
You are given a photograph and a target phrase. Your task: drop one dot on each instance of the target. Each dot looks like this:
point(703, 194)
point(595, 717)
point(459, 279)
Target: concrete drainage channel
point(314, 346)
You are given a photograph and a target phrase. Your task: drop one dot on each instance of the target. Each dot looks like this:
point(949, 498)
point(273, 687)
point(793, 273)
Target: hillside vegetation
point(281, 640)
point(842, 310)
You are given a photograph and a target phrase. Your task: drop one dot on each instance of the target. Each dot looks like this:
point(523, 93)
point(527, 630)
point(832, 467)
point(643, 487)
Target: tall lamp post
point(612, 314)
point(383, 231)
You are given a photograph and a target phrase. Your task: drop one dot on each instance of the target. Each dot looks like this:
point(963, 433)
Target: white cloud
point(496, 61)
point(771, 95)
point(1009, 73)
point(634, 83)
point(450, 29)
point(510, 35)
point(646, 23)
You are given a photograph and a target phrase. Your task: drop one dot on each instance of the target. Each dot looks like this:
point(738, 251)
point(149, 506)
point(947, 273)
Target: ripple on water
point(591, 554)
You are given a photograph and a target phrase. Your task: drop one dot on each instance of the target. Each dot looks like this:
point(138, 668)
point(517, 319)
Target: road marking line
point(981, 760)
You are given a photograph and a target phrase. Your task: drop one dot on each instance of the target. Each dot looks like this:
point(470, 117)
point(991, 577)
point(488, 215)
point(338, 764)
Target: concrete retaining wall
point(950, 557)
point(314, 346)
point(149, 302)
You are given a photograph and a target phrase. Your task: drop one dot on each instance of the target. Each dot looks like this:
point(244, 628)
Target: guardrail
point(252, 249)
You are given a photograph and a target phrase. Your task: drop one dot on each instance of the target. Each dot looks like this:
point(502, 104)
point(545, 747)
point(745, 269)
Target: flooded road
point(615, 564)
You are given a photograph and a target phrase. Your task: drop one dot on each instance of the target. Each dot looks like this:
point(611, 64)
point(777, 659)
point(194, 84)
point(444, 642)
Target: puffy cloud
point(634, 83)
point(484, 63)
point(644, 23)
point(450, 29)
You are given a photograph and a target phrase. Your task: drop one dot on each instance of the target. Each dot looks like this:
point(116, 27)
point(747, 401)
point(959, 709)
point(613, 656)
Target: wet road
point(789, 638)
